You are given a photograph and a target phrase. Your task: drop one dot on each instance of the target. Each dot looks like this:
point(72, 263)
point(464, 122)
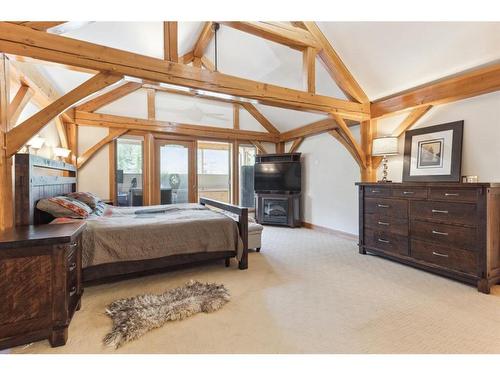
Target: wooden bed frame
point(38, 178)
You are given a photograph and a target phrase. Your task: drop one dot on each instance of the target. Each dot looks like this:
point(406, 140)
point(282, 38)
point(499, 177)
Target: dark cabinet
point(40, 282)
point(449, 229)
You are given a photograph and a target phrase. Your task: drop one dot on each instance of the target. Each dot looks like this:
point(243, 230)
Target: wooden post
point(149, 150)
point(368, 132)
point(6, 190)
point(280, 147)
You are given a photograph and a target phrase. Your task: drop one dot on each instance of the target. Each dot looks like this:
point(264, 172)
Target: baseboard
point(319, 228)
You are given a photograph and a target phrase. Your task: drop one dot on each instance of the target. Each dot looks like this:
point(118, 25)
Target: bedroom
point(258, 180)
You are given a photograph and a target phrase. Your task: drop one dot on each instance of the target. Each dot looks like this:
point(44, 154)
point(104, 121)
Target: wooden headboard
point(37, 178)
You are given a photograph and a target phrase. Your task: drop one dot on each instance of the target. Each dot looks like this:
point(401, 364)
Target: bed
point(135, 240)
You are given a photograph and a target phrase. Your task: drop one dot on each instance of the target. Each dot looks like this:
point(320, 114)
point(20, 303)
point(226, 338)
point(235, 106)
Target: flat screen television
point(277, 177)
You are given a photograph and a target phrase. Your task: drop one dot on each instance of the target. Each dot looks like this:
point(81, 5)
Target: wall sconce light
point(36, 143)
point(61, 153)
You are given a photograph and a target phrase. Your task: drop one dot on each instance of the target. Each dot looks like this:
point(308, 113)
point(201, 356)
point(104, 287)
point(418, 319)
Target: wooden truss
point(111, 69)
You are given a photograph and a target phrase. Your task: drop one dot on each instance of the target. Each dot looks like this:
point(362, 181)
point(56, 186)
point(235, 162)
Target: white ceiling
point(384, 58)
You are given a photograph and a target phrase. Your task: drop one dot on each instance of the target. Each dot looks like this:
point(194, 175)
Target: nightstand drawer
point(457, 195)
point(386, 241)
point(449, 235)
point(386, 223)
point(387, 207)
point(453, 213)
point(456, 259)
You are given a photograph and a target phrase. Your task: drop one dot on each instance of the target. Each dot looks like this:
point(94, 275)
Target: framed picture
point(434, 153)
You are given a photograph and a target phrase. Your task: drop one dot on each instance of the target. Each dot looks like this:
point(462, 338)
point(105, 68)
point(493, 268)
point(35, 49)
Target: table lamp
point(385, 146)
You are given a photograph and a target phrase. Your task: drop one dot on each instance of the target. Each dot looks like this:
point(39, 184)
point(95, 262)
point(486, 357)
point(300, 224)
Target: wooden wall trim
point(339, 233)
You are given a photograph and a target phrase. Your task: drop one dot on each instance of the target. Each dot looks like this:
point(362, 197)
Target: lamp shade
point(36, 142)
point(61, 152)
point(385, 146)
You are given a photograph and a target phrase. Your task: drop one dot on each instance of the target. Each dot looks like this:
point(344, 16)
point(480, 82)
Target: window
point(129, 165)
point(246, 161)
point(214, 170)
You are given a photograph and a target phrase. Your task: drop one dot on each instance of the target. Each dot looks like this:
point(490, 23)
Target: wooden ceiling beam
point(296, 144)
point(410, 120)
point(186, 58)
point(460, 86)
point(22, 133)
point(350, 138)
point(109, 97)
point(16, 106)
point(339, 136)
point(335, 66)
point(40, 25)
point(20, 40)
point(44, 92)
point(260, 118)
point(309, 69)
point(151, 101)
point(91, 151)
point(260, 148)
point(170, 41)
point(204, 39)
point(236, 116)
point(308, 130)
point(290, 36)
point(130, 123)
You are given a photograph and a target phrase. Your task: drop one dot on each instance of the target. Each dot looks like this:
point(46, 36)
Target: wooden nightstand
point(40, 282)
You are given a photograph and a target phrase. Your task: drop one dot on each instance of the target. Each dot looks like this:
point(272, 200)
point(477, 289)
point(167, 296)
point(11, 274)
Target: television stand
point(279, 209)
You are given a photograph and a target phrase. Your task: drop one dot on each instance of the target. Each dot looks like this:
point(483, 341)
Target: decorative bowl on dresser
point(452, 229)
point(40, 282)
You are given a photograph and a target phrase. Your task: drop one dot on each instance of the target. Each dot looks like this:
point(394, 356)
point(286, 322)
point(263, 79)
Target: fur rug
point(133, 317)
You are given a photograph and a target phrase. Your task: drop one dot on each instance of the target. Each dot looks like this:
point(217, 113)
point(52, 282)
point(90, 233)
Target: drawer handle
point(382, 223)
point(72, 292)
point(408, 192)
point(383, 205)
point(72, 267)
point(74, 244)
point(440, 233)
point(439, 211)
point(375, 191)
point(451, 194)
point(383, 241)
point(440, 255)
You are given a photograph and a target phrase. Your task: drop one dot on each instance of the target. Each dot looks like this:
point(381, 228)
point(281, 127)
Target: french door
point(174, 176)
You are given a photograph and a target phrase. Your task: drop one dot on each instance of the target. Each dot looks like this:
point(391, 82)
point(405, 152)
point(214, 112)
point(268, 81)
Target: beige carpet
point(306, 292)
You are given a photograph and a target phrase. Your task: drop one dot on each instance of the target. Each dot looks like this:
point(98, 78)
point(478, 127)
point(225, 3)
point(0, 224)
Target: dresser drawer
point(387, 207)
point(410, 193)
point(454, 213)
point(394, 225)
point(455, 259)
point(376, 191)
point(457, 195)
point(449, 235)
point(383, 240)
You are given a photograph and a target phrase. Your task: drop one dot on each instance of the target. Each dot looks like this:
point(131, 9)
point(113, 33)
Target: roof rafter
point(335, 66)
point(131, 123)
point(464, 85)
point(290, 36)
point(19, 135)
point(27, 42)
point(204, 39)
point(100, 101)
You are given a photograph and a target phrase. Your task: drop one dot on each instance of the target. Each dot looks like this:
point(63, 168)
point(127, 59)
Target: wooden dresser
point(40, 282)
point(449, 229)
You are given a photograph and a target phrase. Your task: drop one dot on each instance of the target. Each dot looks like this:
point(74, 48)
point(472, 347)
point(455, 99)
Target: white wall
point(94, 175)
point(480, 152)
point(329, 172)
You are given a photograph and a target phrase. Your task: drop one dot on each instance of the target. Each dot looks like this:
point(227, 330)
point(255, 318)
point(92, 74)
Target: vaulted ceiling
point(384, 57)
